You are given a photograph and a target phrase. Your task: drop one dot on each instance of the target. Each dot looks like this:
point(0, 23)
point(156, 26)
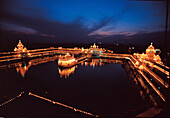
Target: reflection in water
point(92, 62)
point(139, 82)
point(67, 71)
point(96, 62)
point(144, 89)
point(101, 62)
point(23, 69)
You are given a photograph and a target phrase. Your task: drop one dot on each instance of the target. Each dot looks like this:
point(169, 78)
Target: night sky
point(82, 21)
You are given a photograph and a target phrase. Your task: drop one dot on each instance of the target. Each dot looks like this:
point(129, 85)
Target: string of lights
point(12, 99)
point(64, 105)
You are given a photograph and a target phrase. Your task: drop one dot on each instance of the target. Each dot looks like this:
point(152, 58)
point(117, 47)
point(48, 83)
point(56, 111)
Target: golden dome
point(150, 50)
point(94, 46)
point(151, 46)
point(20, 44)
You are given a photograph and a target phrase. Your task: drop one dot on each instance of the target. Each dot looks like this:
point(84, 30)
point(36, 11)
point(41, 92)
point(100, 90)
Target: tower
point(20, 47)
point(150, 52)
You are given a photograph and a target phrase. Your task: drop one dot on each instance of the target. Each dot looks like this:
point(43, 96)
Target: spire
point(94, 46)
point(151, 46)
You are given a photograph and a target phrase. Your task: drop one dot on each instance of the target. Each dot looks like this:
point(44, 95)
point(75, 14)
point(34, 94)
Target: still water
point(94, 86)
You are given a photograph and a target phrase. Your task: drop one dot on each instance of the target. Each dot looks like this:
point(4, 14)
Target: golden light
point(141, 67)
point(25, 67)
point(19, 55)
point(82, 49)
point(137, 63)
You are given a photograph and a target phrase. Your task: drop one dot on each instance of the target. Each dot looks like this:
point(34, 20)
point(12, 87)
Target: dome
point(19, 44)
point(151, 46)
point(150, 50)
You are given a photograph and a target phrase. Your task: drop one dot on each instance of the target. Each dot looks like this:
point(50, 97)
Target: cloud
point(36, 25)
point(17, 28)
point(44, 29)
point(47, 35)
point(111, 33)
point(108, 26)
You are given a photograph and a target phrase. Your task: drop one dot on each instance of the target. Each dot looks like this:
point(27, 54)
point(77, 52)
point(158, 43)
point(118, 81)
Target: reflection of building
point(140, 83)
point(150, 55)
point(23, 69)
point(95, 62)
point(101, 62)
point(67, 71)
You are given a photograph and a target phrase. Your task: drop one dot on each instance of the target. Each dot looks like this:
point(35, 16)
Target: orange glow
point(67, 71)
point(12, 99)
point(29, 54)
point(25, 67)
point(150, 55)
point(61, 104)
point(82, 49)
point(141, 67)
point(67, 61)
point(19, 55)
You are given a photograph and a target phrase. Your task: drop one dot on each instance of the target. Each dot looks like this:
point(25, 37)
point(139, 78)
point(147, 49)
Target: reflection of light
point(141, 67)
point(25, 67)
point(142, 84)
point(86, 63)
point(66, 72)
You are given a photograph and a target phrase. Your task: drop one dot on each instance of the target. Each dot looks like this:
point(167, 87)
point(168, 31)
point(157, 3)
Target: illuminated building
point(93, 46)
point(150, 52)
point(150, 55)
point(20, 47)
point(21, 50)
point(95, 49)
point(66, 61)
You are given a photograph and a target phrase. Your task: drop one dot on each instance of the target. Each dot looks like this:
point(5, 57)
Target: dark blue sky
point(81, 20)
